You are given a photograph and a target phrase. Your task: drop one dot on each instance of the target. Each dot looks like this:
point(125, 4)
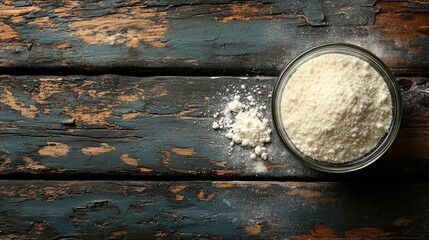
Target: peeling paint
point(8, 99)
point(7, 32)
point(126, 158)
point(224, 184)
point(183, 151)
point(253, 229)
point(130, 115)
point(143, 169)
point(38, 228)
point(165, 158)
point(68, 8)
point(62, 45)
point(175, 190)
point(129, 26)
point(12, 11)
point(54, 149)
point(43, 22)
point(32, 164)
point(47, 87)
point(243, 11)
point(127, 97)
point(89, 114)
point(94, 151)
point(203, 196)
point(217, 163)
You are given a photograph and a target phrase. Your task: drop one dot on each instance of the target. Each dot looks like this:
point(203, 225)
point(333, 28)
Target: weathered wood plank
point(161, 126)
point(213, 210)
point(225, 36)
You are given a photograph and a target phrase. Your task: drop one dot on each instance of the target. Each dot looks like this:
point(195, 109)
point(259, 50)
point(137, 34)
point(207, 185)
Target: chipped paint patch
point(38, 228)
point(243, 11)
point(203, 196)
point(89, 114)
point(12, 11)
point(319, 231)
point(175, 190)
point(224, 184)
point(129, 26)
point(47, 87)
point(126, 158)
point(131, 115)
point(43, 22)
point(125, 97)
point(142, 169)
point(7, 32)
point(32, 164)
point(8, 99)
point(94, 151)
point(68, 9)
point(218, 164)
point(253, 229)
point(183, 151)
point(62, 45)
point(165, 158)
point(183, 114)
point(304, 193)
point(54, 149)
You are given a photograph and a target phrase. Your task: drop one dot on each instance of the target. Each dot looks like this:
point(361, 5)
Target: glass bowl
point(379, 66)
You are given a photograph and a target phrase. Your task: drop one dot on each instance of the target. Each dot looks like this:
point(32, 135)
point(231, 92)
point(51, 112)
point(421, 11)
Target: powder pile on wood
point(336, 108)
point(244, 125)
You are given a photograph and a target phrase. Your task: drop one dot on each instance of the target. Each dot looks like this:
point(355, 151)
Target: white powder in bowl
point(336, 108)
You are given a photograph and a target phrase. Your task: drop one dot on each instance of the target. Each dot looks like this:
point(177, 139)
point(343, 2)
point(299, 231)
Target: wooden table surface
point(106, 111)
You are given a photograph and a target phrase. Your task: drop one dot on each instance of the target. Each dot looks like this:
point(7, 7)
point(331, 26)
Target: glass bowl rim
point(385, 142)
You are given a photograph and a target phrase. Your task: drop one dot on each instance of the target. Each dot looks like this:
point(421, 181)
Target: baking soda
point(244, 124)
point(336, 108)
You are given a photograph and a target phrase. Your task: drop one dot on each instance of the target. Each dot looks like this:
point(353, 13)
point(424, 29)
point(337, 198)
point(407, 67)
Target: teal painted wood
point(212, 210)
point(225, 36)
point(161, 126)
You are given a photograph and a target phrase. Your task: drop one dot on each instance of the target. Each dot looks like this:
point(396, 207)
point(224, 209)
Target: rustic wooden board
point(161, 126)
point(213, 210)
point(224, 36)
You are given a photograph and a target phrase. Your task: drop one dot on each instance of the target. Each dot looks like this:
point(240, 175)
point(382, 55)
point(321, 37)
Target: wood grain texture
point(161, 126)
point(213, 210)
point(222, 35)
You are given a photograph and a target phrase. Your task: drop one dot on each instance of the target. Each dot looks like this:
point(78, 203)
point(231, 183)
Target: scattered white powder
point(336, 108)
point(244, 125)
